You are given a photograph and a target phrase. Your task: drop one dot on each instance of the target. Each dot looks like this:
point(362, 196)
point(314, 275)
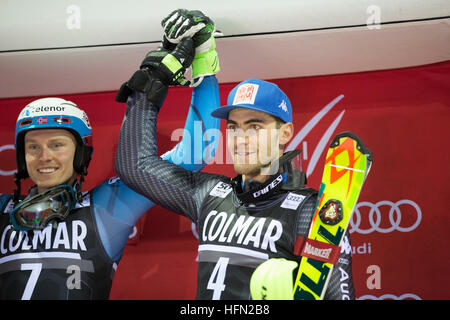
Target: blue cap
point(257, 95)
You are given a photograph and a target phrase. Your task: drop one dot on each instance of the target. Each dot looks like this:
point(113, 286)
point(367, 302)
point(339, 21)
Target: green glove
point(206, 59)
point(171, 66)
point(273, 280)
point(183, 23)
point(159, 69)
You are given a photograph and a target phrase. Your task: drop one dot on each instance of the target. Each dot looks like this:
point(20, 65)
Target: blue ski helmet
point(54, 113)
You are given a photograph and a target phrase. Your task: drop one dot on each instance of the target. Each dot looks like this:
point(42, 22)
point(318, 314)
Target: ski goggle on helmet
point(38, 211)
point(54, 113)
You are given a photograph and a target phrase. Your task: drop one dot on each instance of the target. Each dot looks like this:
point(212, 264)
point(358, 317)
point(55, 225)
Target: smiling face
point(254, 140)
point(49, 157)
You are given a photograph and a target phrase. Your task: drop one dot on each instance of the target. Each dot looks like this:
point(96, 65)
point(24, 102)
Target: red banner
point(399, 231)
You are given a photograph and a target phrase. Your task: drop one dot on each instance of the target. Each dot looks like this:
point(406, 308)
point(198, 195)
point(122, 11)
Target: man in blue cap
point(259, 124)
point(262, 214)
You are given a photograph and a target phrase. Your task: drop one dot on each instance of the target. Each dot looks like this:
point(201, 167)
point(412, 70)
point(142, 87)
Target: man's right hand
point(171, 66)
point(159, 69)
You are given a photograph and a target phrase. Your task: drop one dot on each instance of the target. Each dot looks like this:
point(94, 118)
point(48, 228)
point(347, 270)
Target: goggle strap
point(16, 195)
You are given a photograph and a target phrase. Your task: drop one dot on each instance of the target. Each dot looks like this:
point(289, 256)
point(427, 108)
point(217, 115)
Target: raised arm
point(118, 207)
point(137, 163)
point(200, 135)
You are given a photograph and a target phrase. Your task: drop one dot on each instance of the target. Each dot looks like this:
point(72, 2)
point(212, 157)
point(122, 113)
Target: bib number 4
point(217, 279)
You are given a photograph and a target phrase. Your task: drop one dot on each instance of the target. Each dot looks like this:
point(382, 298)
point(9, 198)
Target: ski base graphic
point(347, 165)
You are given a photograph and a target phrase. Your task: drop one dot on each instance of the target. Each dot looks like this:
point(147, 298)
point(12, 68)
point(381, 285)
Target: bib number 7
point(32, 280)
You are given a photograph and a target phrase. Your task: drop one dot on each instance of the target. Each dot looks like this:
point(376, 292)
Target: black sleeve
point(138, 165)
point(340, 286)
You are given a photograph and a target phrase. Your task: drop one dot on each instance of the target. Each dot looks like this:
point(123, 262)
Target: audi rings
point(7, 172)
point(395, 217)
point(388, 296)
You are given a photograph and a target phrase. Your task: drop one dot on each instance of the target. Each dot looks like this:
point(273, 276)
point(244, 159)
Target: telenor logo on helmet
point(246, 94)
point(32, 110)
point(48, 108)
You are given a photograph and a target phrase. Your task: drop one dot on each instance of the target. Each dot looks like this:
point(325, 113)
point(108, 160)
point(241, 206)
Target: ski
point(347, 165)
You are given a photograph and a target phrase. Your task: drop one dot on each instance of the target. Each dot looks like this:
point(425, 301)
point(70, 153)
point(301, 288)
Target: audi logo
point(133, 233)
point(7, 172)
point(390, 296)
point(375, 217)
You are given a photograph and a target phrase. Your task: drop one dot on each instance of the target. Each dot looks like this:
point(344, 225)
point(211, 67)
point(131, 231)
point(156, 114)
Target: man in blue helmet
point(58, 242)
point(258, 216)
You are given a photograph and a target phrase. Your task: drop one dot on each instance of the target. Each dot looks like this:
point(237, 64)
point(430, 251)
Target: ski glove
point(183, 23)
point(273, 280)
point(158, 71)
